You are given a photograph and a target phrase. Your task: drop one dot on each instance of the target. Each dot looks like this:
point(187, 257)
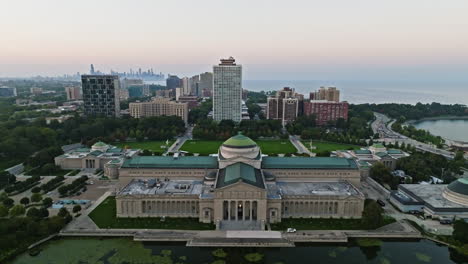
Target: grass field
point(269, 147)
point(104, 216)
point(154, 146)
point(323, 224)
point(322, 146)
point(203, 147)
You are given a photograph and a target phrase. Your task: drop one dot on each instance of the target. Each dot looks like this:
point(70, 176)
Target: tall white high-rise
point(227, 91)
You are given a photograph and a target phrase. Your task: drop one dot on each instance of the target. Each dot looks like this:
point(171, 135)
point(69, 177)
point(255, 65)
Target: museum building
point(239, 187)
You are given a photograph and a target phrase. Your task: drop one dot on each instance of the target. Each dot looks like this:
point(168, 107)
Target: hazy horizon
point(423, 40)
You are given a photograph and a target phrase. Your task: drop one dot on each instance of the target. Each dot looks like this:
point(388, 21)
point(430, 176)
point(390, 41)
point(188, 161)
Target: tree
point(47, 202)
point(63, 212)
point(3, 210)
point(372, 217)
point(36, 189)
point(43, 212)
point(8, 202)
point(460, 231)
point(17, 210)
point(381, 173)
point(33, 213)
point(24, 201)
point(76, 208)
point(36, 197)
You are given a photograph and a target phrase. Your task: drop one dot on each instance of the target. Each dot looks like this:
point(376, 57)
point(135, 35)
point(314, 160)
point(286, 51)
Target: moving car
point(381, 203)
point(291, 230)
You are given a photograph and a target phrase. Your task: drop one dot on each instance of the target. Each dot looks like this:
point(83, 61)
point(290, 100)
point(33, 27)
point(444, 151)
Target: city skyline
point(312, 40)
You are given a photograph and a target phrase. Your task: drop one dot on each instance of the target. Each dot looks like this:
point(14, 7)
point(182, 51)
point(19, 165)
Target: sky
point(294, 39)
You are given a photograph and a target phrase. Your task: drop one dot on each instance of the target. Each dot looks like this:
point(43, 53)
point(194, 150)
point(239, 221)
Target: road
point(382, 125)
point(181, 140)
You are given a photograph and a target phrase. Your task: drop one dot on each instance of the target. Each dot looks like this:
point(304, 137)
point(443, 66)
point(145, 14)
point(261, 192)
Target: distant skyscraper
point(101, 95)
point(7, 91)
point(73, 92)
point(173, 82)
point(227, 91)
point(186, 86)
point(206, 83)
point(91, 71)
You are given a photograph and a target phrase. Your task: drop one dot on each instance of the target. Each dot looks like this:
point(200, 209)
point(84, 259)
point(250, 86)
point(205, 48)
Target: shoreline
point(436, 118)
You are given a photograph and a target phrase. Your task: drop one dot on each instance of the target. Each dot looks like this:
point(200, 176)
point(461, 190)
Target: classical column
point(243, 210)
point(236, 209)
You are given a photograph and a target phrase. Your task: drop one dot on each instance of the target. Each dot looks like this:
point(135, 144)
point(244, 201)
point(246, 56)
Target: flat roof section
point(308, 163)
point(341, 188)
point(431, 194)
point(151, 187)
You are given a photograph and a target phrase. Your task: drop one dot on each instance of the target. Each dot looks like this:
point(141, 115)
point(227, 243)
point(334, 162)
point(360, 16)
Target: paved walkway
point(299, 146)
point(83, 222)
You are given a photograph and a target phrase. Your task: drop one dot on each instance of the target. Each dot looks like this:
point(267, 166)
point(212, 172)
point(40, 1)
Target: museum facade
point(239, 186)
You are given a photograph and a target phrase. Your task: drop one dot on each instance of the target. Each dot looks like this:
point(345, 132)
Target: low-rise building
point(159, 107)
point(435, 200)
point(93, 158)
point(375, 153)
point(326, 111)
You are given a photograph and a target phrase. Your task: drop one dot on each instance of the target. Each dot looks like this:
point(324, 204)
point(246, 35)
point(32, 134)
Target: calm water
point(451, 129)
point(120, 251)
point(358, 92)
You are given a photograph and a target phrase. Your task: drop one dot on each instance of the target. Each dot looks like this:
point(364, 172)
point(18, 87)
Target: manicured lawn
point(37, 172)
point(269, 147)
point(104, 216)
point(154, 146)
point(323, 224)
point(203, 147)
point(322, 146)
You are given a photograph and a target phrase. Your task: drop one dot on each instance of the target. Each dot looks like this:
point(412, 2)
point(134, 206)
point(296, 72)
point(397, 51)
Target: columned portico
point(240, 210)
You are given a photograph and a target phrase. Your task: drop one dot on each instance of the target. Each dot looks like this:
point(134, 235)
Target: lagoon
point(125, 250)
point(454, 129)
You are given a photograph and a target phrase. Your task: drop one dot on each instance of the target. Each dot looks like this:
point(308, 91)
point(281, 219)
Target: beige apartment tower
point(227, 91)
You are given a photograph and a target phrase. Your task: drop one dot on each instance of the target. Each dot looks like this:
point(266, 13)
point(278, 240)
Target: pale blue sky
point(288, 39)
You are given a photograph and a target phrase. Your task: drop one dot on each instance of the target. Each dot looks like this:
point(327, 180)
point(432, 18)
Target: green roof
point(239, 172)
point(459, 186)
point(96, 153)
point(362, 151)
point(381, 154)
point(114, 150)
point(378, 145)
point(308, 163)
point(171, 162)
point(82, 150)
point(394, 151)
point(239, 141)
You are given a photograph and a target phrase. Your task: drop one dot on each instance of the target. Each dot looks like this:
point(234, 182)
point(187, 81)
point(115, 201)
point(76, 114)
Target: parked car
point(291, 230)
point(445, 221)
point(381, 203)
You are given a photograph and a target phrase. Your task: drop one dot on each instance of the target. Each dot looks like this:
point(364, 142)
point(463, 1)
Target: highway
point(382, 125)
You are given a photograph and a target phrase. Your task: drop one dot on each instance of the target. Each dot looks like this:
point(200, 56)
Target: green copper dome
point(239, 141)
point(100, 144)
point(459, 186)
